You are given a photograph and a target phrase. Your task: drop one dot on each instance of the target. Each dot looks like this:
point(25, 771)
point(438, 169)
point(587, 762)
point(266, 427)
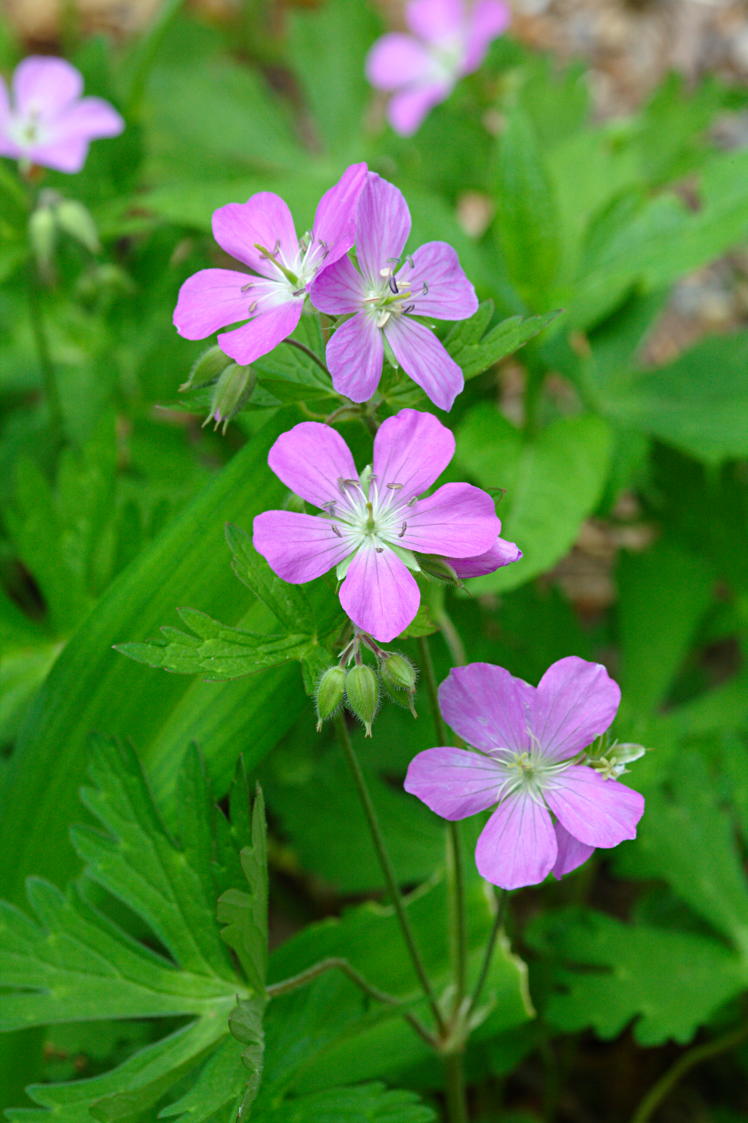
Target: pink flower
point(261, 234)
point(372, 525)
point(46, 121)
point(501, 553)
point(553, 810)
point(450, 38)
point(384, 297)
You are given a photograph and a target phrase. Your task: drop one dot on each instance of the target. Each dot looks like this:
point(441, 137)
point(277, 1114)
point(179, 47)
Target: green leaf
point(333, 80)
point(292, 376)
point(608, 974)
point(698, 403)
point(476, 352)
point(553, 481)
point(663, 594)
point(288, 603)
point(367, 1103)
point(73, 963)
point(245, 914)
point(527, 220)
point(687, 839)
point(215, 649)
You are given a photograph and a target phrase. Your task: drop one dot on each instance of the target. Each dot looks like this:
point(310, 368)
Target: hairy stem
point(662, 1088)
point(310, 354)
point(498, 925)
point(387, 870)
point(336, 964)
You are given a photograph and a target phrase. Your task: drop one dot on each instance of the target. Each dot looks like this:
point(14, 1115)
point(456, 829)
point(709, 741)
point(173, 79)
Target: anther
point(425, 289)
point(247, 287)
point(392, 283)
point(252, 308)
point(336, 530)
point(408, 308)
point(403, 528)
point(379, 549)
point(394, 487)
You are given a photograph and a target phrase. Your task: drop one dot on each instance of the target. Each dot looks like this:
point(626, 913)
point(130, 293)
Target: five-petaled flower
point(44, 120)
point(384, 297)
point(553, 810)
point(261, 234)
point(374, 524)
point(449, 39)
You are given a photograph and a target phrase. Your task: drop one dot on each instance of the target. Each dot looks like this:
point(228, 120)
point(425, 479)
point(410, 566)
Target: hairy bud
point(43, 238)
point(207, 368)
point(613, 763)
point(329, 694)
point(76, 221)
point(399, 678)
point(362, 694)
point(231, 393)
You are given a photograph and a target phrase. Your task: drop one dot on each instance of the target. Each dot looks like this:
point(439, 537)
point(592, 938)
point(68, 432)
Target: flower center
point(27, 131)
point(530, 772)
point(392, 296)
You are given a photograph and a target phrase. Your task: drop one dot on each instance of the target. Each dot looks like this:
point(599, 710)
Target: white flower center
point(292, 275)
point(530, 772)
point(369, 514)
point(392, 295)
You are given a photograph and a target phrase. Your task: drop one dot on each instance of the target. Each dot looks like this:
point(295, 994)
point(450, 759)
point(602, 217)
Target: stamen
point(392, 283)
point(403, 528)
point(247, 287)
point(336, 530)
point(408, 308)
point(425, 289)
point(394, 487)
point(382, 318)
point(252, 308)
point(379, 549)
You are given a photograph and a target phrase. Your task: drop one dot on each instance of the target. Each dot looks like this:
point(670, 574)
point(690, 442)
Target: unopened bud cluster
point(360, 688)
point(232, 385)
point(610, 758)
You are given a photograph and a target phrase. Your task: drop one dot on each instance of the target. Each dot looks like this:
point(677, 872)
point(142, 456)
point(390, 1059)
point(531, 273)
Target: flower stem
point(695, 1056)
point(310, 354)
point(389, 874)
point(334, 963)
point(455, 1086)
point(498, 925)
point(455, 863)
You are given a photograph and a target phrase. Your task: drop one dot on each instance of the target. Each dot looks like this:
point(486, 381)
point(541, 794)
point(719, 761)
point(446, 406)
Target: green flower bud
point(613, 763)
point(438, 567)
point(43, 237)
point(207, 368)
point(232, 392)
point(329, 694)
point(76, 220)
point(362, 694)
point(399, 678)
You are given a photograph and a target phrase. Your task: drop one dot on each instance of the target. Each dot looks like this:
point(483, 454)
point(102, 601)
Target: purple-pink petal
point(517, 846)
point(45, 85)
point(355, 354)
point(487, 707)
point(89, 119)
point(311, 459)
point(409, 106)
point(209, 300)
point(297, 547)
point(423, 357)
point(397, 60)
point(338, 289)
point(335, 219)
point(574, 703)
point(263, 220)
point(438, 285)
point(501, 553)
point(383, 226)
point(456, 520)
point(596, 811)
point(571, 852)
point(454, 783)
point(488, 19)
point(436, 21)
point(411, 449)
point(379, 593)
point(262, 334)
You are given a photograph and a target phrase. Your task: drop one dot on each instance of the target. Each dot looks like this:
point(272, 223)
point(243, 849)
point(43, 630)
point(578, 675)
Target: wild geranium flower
point(44, 120)
point(374, 524)
point(261, 234)
point(553, 808)
point(385, 295)
point(449, 39)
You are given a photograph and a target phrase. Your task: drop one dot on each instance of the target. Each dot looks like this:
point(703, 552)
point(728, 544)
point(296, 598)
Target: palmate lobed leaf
point(75, 964)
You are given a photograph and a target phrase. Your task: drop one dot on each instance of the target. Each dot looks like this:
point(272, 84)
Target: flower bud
point(399, 678)
point(76, 220)
point(438, 567)
point(613, 763)
point(362, 694)
point(329, 694)
point(231, 393)
point(207, 368)
point(43, 237)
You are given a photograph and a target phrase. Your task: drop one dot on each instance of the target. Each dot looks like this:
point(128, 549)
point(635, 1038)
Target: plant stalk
point(496, 930)
point(389, 874)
